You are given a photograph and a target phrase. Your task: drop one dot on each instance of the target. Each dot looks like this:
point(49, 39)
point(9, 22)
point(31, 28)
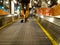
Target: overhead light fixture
point(2, 7)
point(18, 7)
point(58, 1)
point(48, 2)
point(35, 2)
point(24, 7)
point(1, 1)
point(15, 1)
point(34, 7)
point(7, 2)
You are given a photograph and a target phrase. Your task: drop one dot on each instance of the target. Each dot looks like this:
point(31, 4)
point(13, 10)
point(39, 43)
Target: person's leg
point(22, 12)
point(27, 11)
point(26, 14)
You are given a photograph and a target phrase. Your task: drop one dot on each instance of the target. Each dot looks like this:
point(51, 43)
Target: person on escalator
point(25, 9)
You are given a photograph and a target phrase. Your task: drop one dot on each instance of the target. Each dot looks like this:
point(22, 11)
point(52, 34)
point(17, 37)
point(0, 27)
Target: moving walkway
point(28, 33)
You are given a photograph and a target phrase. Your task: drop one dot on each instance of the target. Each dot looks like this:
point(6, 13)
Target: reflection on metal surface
point(57, 16)
point(15, 14)
point(59, 43)
point(8, 15)
point(42, 16)
point(11, 15)
point(51, 19)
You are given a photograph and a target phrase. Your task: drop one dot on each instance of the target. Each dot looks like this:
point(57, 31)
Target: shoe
point(21, 21)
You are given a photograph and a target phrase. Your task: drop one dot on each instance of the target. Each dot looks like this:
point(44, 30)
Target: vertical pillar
point(30, 5)
point(12, 9)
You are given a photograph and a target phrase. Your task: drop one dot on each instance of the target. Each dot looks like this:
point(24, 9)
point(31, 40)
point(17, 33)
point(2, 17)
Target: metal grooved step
point(27, 33)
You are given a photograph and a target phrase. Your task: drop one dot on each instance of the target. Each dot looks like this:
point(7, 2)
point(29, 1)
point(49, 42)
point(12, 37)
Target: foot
point(21, 21)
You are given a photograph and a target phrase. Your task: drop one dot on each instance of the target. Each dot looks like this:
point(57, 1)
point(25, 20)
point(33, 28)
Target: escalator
point(28, 33)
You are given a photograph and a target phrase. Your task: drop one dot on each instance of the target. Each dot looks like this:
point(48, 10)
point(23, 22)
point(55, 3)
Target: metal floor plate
point(28, 33)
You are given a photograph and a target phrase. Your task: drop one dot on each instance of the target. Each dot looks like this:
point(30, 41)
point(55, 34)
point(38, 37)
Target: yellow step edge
point(47, 34)
point(8, 24)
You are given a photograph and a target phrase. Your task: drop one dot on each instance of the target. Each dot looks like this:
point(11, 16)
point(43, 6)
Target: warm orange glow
point(27, 13)
point(56, 10)
point(2, 12)
point(44, 11)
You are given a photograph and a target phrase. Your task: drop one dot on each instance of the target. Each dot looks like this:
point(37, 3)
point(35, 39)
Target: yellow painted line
point(47, 34)
point(8, 24)
point(5, 25)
